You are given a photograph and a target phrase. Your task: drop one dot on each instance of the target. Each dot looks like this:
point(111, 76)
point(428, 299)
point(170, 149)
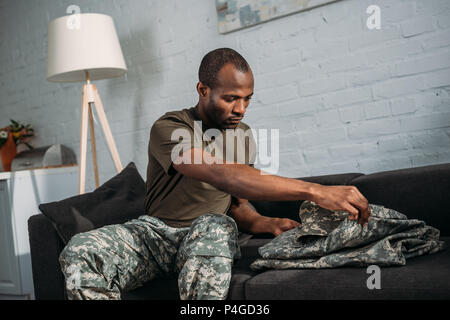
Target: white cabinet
point(21, 192)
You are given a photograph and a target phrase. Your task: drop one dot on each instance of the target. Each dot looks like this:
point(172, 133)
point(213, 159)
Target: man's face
point(227, 102)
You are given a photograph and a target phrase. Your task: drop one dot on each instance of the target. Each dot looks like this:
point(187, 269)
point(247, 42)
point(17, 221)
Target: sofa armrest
point(45, 247)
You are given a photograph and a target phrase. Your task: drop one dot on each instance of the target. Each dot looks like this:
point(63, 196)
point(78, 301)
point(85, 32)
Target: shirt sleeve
point(168, 138)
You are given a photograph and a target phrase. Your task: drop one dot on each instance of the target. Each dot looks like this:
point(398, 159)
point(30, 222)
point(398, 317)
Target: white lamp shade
point(90, 44)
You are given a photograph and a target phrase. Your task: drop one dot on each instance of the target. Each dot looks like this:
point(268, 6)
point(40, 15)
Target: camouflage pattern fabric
point(327, 239)
point(105, 262)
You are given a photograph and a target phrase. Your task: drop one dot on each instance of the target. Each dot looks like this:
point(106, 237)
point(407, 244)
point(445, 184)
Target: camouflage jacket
point(327, 239)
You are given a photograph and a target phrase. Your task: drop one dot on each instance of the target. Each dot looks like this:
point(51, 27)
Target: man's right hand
point(346, 198)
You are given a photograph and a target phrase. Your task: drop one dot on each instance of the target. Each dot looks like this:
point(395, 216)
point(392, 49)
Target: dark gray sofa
point(422, 193)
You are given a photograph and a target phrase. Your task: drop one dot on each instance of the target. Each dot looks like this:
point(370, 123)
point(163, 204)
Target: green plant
point(20, 133)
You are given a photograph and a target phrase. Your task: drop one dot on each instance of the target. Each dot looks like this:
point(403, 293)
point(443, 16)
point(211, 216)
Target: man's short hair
point(214, 60)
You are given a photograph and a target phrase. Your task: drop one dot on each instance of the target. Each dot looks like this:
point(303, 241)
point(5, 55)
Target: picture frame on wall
point(234, 15)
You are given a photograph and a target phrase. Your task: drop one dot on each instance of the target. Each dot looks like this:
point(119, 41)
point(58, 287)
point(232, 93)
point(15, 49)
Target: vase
point(8, 151)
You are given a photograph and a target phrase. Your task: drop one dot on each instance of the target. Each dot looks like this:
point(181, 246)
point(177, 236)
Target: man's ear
point(202, 89)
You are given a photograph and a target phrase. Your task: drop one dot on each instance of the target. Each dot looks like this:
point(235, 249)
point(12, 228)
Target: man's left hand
point(280, 225)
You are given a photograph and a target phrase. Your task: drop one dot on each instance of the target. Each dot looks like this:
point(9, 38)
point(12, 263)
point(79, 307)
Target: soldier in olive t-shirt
point(191, 227)
point(176, 199)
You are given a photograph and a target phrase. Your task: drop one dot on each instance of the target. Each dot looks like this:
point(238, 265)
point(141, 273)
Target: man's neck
point(200, 114)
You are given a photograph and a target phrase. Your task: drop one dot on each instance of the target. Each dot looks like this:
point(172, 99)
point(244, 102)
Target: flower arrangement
point(20, 133)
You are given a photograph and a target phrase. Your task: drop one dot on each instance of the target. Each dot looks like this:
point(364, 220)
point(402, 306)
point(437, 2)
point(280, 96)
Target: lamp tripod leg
point(91, 96)
point(83, 142)
point(106, 130)
point(93, 148)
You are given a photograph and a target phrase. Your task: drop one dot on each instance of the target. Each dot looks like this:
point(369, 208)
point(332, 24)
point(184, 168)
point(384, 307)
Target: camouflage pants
point(103, 263)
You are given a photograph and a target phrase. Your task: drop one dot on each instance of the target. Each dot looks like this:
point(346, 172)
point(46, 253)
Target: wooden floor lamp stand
point(91, 96)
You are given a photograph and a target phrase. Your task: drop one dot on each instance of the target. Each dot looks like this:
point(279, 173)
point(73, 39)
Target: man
point(196, 201)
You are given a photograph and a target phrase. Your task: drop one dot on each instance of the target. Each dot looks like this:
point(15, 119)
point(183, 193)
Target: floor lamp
point(85, 47)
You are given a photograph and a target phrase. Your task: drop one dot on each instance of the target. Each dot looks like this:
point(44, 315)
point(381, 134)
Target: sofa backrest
point(420, 193)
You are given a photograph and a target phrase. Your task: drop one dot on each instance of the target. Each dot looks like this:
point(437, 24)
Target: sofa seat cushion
point(241, 268)
point(423, 277)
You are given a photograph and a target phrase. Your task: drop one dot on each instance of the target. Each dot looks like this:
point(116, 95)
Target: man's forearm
point(245, 182)
point(250, 221)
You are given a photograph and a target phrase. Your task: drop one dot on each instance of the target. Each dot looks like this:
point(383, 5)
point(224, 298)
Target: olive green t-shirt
point(174, 198)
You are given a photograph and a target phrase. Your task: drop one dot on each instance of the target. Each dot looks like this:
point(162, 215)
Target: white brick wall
point(344, 97)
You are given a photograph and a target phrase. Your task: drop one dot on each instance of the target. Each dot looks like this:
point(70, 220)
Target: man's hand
point(248, 220)
point(280, 225)
point(347, 198)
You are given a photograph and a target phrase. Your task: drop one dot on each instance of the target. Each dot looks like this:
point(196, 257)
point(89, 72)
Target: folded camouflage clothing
point(327, 239)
